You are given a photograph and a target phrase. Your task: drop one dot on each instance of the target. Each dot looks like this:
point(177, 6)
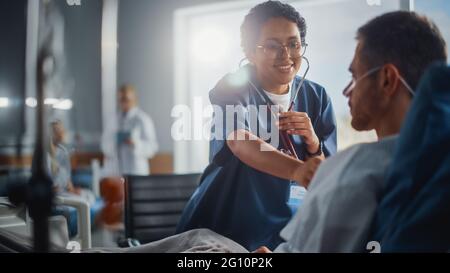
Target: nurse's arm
point(260, 155)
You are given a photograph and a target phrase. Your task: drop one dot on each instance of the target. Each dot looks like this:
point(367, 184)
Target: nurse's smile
point(285, 68)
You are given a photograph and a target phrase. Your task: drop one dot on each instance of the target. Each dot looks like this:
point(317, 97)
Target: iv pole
point(38, 194)
point(41, 193)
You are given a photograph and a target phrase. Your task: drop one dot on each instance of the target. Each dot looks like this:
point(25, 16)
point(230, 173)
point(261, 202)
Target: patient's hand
point(262, 249)
point(306, 171)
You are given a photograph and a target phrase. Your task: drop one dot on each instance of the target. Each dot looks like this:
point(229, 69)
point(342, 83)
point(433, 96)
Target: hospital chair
point(86, 179)
point(154, 204)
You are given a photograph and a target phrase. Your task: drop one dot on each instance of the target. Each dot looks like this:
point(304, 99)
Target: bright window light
point(210, 45)
point(60, 104)
point(31, 102)
point(51, 101)
point(4, 102)
point(63, 104)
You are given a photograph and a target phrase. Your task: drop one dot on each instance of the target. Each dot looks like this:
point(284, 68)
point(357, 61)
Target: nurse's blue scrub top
point(236, 200)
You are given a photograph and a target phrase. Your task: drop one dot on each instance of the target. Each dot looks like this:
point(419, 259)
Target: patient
point(392, 54)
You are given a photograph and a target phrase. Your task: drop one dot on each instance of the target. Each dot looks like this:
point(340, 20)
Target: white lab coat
point(121, 158)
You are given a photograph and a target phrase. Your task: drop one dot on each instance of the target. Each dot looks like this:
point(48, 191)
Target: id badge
point(296, 196)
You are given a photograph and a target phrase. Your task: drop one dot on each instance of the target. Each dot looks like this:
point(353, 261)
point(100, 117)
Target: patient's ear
point(389, 79)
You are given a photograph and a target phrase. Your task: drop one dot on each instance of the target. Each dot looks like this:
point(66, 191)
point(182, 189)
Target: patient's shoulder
point(360, 163)
point(363, 153)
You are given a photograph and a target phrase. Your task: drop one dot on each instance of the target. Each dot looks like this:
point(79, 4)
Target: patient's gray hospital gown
point(338, 211)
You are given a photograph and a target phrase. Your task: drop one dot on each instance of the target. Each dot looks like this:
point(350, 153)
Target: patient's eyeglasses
point(273, 49)
point(354, 81)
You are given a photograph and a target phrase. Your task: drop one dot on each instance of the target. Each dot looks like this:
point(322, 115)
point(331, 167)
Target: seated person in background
point(58, 159)
point(59, 164)
point(59, 167)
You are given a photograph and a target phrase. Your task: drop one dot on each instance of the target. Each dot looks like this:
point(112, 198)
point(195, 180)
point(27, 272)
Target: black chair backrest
point(154, 204)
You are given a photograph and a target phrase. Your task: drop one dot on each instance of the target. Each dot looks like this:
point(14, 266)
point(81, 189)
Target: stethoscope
point(286, 141)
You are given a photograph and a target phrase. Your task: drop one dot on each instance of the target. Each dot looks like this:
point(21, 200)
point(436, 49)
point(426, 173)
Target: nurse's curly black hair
point(260, 14)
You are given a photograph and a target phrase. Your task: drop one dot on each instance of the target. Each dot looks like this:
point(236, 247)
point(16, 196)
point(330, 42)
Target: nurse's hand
point(305, 172)
point(298, 123)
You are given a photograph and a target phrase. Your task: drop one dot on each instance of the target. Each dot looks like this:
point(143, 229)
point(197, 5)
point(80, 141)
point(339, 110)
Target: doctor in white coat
point(129, 140)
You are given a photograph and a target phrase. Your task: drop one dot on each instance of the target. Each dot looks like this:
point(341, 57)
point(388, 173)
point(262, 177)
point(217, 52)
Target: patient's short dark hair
point(260, 14)
point(409, 41)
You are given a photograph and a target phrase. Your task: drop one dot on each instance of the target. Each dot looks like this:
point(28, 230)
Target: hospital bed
point(16, 220)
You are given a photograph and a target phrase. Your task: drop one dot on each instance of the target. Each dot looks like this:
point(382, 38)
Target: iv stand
point(38, 194)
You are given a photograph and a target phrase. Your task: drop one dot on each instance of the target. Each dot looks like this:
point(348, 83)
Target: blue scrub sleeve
point(229, 114)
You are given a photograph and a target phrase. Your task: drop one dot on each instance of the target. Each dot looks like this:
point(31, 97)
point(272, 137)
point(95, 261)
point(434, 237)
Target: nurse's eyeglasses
point(273, 49)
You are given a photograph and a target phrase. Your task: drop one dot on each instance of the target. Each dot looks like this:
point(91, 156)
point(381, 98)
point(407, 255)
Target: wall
point(12, 71)
point(83, 54)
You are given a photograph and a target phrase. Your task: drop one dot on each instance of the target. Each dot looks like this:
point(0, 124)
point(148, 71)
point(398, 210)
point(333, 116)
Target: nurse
point(245, 192)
